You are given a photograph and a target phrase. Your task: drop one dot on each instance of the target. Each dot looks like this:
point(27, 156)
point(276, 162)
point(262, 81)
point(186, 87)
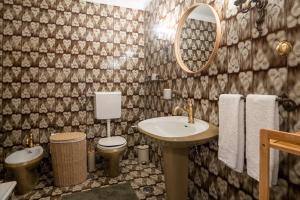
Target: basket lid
point(67, 137)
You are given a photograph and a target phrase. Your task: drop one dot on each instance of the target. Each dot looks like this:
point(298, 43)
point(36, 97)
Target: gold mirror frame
point(178, 36)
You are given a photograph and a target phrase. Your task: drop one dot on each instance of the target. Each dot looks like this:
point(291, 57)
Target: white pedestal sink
point(177, 135)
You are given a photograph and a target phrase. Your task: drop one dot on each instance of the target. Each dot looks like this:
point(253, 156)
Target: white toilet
point(108, 106)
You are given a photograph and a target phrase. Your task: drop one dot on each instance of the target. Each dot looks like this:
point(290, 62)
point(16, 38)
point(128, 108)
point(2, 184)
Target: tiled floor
point(146, 180)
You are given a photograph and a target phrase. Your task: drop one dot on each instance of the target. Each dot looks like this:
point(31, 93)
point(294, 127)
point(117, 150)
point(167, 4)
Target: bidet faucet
point(187, 108)
point(29, 141)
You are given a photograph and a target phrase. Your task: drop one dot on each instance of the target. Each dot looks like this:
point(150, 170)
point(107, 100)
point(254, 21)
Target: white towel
point(261, 112)
point(231, 131)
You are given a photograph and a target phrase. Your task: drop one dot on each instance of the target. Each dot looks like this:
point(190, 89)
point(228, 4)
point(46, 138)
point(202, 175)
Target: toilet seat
point(111, 142)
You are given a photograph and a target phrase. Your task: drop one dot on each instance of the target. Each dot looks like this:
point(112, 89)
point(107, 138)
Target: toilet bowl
point(111, 148)
point(23, 164)
point(108, 106)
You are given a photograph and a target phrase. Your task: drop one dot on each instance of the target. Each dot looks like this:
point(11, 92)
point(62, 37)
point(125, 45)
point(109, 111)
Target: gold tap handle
point(189, 103)
point(31, 139)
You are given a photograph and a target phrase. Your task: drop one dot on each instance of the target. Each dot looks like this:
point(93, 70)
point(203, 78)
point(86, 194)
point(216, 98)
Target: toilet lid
point(112, 141)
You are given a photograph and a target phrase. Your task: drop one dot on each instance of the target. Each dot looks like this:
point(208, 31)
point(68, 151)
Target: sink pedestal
point(176, 172)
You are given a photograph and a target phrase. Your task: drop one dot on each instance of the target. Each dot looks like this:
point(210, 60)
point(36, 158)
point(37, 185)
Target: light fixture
point(260, 5)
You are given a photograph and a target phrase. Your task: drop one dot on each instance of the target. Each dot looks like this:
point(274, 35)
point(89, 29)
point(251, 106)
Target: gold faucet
point(188, 108)
point(29, 141)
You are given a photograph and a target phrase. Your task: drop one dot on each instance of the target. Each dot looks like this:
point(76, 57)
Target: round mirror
point(197, 38)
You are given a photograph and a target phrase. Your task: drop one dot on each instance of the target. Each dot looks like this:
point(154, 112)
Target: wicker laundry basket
point(69, 158)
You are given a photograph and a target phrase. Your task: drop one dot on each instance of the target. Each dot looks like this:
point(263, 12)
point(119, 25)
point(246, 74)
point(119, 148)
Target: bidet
point(23, 164)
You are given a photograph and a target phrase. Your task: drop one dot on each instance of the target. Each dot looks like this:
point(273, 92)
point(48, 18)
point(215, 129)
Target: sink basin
point(177, 135)
point(173, 126)
point(177, 132)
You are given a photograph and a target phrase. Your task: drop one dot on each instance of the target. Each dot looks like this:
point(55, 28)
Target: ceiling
point(203, 13)
point(135, 4)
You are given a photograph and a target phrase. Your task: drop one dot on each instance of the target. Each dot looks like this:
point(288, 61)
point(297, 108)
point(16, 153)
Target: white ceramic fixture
point(107, 105)
point(23, 164)
point(25, 155)
point(177, 135)
point(173, 126)
point(6, 189)
point(111, 142)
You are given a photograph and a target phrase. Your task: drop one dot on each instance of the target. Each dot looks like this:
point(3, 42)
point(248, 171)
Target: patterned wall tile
point(55, 53)
point(243, 65)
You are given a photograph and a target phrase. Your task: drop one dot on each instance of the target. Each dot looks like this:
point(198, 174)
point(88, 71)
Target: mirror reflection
point(198, 37)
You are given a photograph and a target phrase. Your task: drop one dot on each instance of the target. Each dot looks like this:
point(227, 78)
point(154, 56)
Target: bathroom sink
point(175, 130)
point(24, 156)
point(177, 135)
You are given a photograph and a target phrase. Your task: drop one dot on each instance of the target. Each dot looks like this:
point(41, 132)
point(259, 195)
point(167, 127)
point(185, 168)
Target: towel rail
point(287, 103)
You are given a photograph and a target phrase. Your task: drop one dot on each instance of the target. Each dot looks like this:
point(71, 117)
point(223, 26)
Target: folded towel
point(231, 131)
point(261, 112)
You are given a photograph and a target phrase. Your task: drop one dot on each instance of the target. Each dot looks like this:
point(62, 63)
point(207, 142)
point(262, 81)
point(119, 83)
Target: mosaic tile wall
point(246, 63)
point(197, 42)
point(54, 55)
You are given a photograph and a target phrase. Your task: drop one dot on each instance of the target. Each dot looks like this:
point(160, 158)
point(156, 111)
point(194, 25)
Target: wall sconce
point(260, 5)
